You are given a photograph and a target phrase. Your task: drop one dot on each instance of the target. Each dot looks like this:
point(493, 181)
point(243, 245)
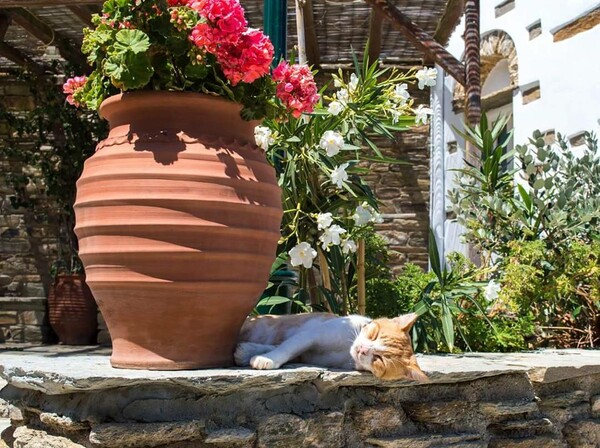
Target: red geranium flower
point(296, 87)
point(248, 59)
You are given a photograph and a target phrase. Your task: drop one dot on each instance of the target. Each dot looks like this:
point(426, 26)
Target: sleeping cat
point(380, 346)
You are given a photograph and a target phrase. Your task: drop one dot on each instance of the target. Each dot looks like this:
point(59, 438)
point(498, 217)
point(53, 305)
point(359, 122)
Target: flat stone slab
point(60, 370)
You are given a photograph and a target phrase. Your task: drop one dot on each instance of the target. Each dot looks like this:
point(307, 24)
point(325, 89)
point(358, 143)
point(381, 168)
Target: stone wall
point(403, 190)
point(404, 194)
point(532, 400)
point(27, 241)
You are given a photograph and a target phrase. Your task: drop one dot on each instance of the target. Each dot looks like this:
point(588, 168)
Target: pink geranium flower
point(296, 87)
point(71, 86)
point(248, 59)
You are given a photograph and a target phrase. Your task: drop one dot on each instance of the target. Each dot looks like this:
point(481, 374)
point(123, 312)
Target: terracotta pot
point(72, 312)
point(178, 218)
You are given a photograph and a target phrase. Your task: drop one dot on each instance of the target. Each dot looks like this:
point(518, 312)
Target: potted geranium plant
point(178, 211)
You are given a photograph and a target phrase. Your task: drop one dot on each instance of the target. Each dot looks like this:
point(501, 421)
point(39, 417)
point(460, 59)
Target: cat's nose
point(362, 350)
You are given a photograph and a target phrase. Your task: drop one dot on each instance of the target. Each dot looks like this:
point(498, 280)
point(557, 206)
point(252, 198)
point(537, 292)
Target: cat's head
point(383, 347)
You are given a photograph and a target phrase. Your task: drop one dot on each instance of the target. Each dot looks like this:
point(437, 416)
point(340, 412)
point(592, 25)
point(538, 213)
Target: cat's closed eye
point(372, 331)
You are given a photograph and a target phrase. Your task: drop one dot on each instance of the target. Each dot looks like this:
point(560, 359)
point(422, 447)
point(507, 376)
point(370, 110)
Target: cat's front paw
point(262, 363)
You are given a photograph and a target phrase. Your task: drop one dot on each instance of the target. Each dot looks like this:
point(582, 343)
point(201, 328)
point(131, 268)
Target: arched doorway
point(499, 78)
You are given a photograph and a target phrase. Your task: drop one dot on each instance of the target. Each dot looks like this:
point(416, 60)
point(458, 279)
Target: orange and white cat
point(380, 346)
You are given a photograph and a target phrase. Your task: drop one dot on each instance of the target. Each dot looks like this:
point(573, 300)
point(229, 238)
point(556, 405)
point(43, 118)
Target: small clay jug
point(73, 313)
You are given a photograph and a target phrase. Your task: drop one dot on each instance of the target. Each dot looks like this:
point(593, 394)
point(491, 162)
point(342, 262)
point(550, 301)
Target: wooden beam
point(41, 31)
point(37, 3)
point(420, 39)
point(375, 34)
point(5, 21)
point(83, 13)
point(448, 22)
point(18, 57)
point(313, 55)
point(472, 62)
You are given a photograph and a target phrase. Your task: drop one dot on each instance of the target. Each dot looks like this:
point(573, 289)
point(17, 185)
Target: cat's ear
point(406, 321)
point(417, 374)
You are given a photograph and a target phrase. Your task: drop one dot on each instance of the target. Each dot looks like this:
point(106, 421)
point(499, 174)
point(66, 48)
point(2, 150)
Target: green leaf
point(134, 41)
point(384, 159)
point(539, 183)
point(448, 326)
point(133, 71)
point(293, 139)
point(273, 300)
point(525, 196)
point(434, 256)
point(196, 71)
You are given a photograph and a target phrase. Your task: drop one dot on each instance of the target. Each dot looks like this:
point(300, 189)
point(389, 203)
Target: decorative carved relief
point(495, 46)
point(438, 189)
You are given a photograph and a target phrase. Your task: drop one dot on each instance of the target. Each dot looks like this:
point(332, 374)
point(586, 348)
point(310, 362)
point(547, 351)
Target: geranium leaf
point(134, 41)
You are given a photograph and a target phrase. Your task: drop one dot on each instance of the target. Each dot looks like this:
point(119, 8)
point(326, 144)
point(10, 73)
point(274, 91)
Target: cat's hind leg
point(247, 350)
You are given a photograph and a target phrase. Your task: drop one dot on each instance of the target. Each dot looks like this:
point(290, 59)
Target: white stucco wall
point(568, 73)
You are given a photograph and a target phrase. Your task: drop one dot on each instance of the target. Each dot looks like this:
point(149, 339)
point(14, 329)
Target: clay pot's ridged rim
point(183, 99)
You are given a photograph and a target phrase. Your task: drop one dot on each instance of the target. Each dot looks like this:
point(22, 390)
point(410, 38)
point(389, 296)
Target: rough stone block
point(8, 317)
point(453, 415)
point(23, 303)
point(430, 441)
point(325, 430)
point(282, 431)
point(595, 401)
point(231, 438)
point(144, 435)
point(62, 423)
point(382, 421)
point(533, 442)
point(583, 434)
point(25, 437)
point(14, 246)
point(32, 318)
point(523, 428)
point(504, 411)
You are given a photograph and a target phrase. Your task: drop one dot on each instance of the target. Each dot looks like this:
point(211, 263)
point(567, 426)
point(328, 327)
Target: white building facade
point(540, 64)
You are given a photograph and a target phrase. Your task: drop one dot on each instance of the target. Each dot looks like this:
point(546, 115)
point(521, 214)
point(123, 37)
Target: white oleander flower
point(362, 215)
point(426, 77)
point(376, 218)
point(302, 254)
point(348, 246)
point(365, 214)
point(342, 95)
point(422, 113)
point(339, 174)
point(400, 94)
point(396, 114)
point(491, 291)
point(324, 220)
point(263, 137)
point(332, 142)
point(353, 84)
point(331, 235)
point(337, 82)
point(335, 108)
